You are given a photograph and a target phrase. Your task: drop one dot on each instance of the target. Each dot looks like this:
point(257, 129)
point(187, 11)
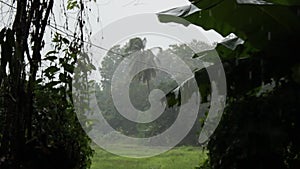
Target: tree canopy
point(259, 126)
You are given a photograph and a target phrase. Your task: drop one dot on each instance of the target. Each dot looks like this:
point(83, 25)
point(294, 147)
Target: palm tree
point(142, 59)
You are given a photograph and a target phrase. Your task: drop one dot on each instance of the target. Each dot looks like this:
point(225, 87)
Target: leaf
point(66, 41)
point(52, 84)
point(62, 77)
point(72, 4)
point(232, 42)
point(181, 11)
point(93, 67)
point(256, 24)
point(253, 23)
point(51, 70)
point(51, 58)
point(69, 68)
point(285, 2)
point(51, 52)
point(38, 81)
point(206, 4)
point(57, 38)
point(140, 60)
point(170, 18)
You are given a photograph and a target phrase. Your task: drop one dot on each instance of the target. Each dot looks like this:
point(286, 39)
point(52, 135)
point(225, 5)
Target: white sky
point(112, 10)
point(105, 12)
point(116, 9)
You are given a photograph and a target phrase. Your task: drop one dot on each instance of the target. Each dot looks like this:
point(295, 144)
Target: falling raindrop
point(250, 75)
point(262, 72)
point(209, 12)
point(236, 62)
point(298, 12)
point(262, 28)
point(269, 35)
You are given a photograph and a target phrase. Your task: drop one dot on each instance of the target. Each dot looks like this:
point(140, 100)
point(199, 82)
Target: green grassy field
point(177, 158)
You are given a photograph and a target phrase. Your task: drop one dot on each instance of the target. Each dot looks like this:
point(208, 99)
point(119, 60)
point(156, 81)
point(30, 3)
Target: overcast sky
point(105, 12)
point(112, 10)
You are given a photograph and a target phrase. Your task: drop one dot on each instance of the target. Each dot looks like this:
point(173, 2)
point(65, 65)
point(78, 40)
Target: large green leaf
point(256, 24)
point(181, 11)
point(285, 2)
point(206, 4)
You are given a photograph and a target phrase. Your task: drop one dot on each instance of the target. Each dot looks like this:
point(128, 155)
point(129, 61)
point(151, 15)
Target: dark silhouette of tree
point(38, 123)
point(260, 125)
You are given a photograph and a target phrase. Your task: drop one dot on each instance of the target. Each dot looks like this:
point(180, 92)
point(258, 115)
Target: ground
point(185, 157)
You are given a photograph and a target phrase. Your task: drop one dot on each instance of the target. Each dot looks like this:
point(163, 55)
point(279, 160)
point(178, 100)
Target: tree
point(140, 88)
point(38, 122)
point(259, 125)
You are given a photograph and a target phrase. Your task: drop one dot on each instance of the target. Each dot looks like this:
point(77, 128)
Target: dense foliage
point(260, 125)
point(140, 87)
point(39, 127)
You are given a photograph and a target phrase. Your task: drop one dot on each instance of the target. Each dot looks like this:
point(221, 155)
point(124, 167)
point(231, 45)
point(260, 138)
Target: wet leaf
point(181, 11)
point(51, 58)
point(232, 42)
point(51, 69)
point(252, 23)
point(69, 68)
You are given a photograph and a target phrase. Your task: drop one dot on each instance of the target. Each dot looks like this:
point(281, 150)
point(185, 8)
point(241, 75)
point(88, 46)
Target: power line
point(63, 31)
point(87, 42)
point(102, 48)
point(9, 5)
point(97, 46)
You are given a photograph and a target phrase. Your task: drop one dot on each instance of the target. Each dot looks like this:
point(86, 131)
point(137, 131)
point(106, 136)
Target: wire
point(102, 48)
point(63, 31)
point(90, 43)
point(5, 3)
point(97, 46)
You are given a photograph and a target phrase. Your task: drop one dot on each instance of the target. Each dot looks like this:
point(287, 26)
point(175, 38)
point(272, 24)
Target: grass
point(185, 157)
